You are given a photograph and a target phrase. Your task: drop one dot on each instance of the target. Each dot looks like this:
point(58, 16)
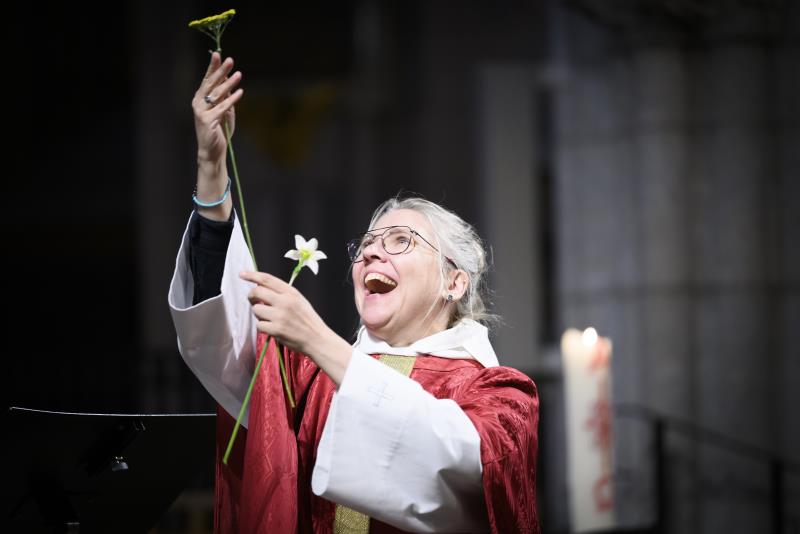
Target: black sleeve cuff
point(208, 247)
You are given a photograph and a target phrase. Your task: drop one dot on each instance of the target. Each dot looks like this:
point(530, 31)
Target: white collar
point(467, 340)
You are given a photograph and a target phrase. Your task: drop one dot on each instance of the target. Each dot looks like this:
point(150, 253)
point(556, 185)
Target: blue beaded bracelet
point(211, 204)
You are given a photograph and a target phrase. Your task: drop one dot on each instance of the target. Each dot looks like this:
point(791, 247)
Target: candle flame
point(589, 336)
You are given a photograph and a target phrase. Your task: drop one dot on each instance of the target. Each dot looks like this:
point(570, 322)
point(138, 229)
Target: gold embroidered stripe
point(347, 520)
point(401, 364)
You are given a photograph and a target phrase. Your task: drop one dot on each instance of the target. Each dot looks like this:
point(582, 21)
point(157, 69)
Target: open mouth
point(378, 283)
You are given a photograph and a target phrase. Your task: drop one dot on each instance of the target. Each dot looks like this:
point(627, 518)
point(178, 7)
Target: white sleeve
point(393, 451)
point(217, 337)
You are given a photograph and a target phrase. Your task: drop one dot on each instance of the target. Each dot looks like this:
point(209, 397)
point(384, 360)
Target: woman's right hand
point(211, 139)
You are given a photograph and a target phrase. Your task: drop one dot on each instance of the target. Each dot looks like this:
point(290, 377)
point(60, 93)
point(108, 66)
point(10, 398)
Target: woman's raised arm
point(212, 104)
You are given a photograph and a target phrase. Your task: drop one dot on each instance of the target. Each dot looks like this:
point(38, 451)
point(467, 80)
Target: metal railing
point(663, 424)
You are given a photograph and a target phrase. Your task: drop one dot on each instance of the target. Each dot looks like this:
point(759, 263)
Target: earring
point(449, 298)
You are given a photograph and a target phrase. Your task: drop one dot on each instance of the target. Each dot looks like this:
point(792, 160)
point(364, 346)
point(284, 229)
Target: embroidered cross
point(380, 393)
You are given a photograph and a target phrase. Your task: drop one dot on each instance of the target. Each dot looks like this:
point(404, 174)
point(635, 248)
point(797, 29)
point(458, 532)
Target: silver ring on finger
point(208, 100)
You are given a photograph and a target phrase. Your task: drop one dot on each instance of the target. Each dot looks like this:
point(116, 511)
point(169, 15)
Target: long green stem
point(281, 354)
point(244, 405)
point(245, 227)
point(280, 349)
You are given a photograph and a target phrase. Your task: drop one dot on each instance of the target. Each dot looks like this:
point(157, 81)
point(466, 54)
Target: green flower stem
point(217, 37)
point(244, 405)
point(284, 377)
point(295, 272)
point(241, 196)
point(280, 350)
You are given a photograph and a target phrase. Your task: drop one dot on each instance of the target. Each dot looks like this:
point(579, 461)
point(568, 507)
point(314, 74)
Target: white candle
point(587, 380)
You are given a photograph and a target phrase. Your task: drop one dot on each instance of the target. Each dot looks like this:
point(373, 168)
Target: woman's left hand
point(283, 312)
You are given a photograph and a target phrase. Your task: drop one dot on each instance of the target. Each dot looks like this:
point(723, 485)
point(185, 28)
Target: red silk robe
point(266, 486)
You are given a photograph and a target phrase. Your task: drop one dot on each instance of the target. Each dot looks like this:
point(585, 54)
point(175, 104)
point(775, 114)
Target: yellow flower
point(222, 17)
point(214, 25)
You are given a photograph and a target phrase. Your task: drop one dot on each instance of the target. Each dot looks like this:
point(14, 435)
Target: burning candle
point(587, 379)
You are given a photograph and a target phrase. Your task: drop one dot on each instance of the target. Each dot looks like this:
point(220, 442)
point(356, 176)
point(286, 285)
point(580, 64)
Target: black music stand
point(85, 473)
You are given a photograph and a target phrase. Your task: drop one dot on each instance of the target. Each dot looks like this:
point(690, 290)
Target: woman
point(447, 444)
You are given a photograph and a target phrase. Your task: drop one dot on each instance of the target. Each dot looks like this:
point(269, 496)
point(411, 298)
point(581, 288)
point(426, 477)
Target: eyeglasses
point(395, 240)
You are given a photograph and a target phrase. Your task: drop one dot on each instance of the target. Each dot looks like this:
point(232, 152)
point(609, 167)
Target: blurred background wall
point(632, 165)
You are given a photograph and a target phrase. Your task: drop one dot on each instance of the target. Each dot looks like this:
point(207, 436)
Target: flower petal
point(313, 265)
point(292, 255)
point(319, 255)
point(312, 244)
point(299, 242)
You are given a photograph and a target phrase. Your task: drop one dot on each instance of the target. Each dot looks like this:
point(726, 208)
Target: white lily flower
point(306, 254)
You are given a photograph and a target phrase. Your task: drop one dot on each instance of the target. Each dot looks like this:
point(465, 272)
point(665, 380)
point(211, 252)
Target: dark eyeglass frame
point(354, 245)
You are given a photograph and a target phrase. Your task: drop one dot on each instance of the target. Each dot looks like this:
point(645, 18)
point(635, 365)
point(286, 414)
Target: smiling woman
point(405, 289)
point(461, 254)
point(413, 427)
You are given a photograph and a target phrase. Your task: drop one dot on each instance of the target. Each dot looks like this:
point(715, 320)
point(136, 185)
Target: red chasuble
point(266, 486)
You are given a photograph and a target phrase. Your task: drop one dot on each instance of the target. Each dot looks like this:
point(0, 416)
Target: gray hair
point(457, 240)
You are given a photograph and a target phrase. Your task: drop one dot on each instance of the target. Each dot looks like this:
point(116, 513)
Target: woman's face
point(398, 316)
